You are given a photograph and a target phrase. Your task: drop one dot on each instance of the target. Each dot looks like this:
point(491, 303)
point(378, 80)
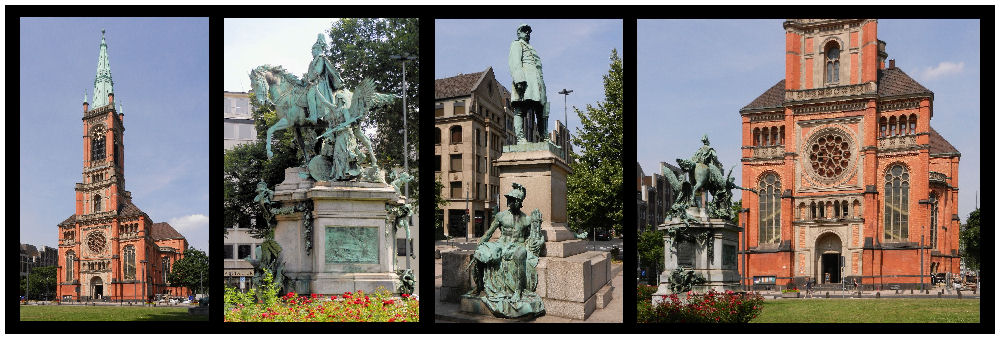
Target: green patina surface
point(353, 245)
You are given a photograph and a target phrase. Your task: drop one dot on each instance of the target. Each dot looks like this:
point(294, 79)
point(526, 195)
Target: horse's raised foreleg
point(280, 125)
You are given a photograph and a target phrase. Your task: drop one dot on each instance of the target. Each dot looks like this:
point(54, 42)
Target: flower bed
point(349, 307)
point(264, 305)
point(712, 307)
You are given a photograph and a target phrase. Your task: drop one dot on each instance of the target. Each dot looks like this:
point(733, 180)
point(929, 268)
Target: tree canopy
point(41, 283)
point(594, 197)
point(970, 241)
point(650, 245)
point(191, 271)
point(362, 48)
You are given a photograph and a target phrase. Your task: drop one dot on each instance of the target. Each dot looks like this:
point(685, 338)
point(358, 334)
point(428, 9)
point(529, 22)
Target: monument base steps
point(604, 296)
point(351, 282)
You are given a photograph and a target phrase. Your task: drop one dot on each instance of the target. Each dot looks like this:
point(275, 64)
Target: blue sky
point(701, 72)
point(575, 55)
point(160, 69)
point(251, 42)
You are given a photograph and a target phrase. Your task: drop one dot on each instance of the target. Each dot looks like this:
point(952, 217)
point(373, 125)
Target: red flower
point(313, 295)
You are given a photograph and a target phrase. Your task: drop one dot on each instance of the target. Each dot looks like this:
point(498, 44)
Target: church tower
point(109, 249)
point(103, 188)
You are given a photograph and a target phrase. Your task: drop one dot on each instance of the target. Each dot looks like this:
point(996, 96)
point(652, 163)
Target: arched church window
point(767, 139)
point(70, 257)
point(756, 136)
point(843, 209)
point(832, 63)
point(166, 268)
point(892, 126)
point(774, 135)
point(934, 220)
point(97, 144)
point(97, 203)
point(128, 258)
point(781, 135)
point(897, 189)
point(902, 125)
point(882, 124)
point(913, 124)
point(836, 209)
point(769, 225)
point(812, 207)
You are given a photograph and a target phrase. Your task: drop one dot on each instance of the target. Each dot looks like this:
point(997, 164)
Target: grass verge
point(106, 313)
point(870, 311)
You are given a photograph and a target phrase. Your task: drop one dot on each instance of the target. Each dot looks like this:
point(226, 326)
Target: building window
point(769, 224)
point(756, 136)
point(97, 203)
point(456, 163)
point(459, 107)
point(832, 63)
point(243, 252)
point(934, 220)
point(128, 258)
point(227, 252)
point(456, 134)
point(913, 124)
point(166, 268)
point(882, 124)
point(97, 145)
point(437, 163)
point(479, 141)
point(897, 190)
point(438, 110)
point(456, 189)
point(437, 136)
point(70, 257)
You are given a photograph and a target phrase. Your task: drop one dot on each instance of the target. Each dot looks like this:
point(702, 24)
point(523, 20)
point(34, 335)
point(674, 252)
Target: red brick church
point(110, 249)
point(854, 182)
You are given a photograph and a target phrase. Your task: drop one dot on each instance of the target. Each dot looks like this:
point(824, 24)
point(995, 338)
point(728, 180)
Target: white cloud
point(189, 223)
point(944, 68)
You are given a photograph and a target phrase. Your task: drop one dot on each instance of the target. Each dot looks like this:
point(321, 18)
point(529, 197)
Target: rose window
point(96, 242)
point(830, 155)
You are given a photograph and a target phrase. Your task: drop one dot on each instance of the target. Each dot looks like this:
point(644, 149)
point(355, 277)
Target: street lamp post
point(467, 212)
point(406, 148)
point(565, 93)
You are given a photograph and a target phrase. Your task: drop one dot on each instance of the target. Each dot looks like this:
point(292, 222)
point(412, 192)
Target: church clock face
point(830, 155)
point(96, 242)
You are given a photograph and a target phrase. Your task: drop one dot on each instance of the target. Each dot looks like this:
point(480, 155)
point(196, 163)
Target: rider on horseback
point(323, 80)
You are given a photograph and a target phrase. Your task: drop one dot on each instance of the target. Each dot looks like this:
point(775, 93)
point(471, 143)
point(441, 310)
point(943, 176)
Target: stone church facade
point(854, 183)
point(109, 249)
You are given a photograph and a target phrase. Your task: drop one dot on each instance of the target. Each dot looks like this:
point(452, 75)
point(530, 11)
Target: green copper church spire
point(103, 85)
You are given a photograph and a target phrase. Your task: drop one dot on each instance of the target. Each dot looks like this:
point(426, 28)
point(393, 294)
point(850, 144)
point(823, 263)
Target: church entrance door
point(828, 251)
point(97, 288)
point(831, 268)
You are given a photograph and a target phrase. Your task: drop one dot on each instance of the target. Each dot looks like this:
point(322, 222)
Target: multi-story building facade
point(473, 121)
point(238, 121)
point(109, 249)
point(238, 244)
point(32, 257)
point(853, 181)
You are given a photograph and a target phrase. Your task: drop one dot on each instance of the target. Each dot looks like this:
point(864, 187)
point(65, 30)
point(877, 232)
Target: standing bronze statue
point(504, 271)
point(531, 106)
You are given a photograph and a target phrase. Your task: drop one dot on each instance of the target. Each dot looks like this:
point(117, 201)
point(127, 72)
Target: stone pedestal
point(350, 251)
point(716, 260)
point(572, 281)
point(456, 282)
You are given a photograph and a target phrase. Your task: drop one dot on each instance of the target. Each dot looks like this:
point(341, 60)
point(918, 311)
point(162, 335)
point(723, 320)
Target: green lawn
point(870, 311)
point(107, 313)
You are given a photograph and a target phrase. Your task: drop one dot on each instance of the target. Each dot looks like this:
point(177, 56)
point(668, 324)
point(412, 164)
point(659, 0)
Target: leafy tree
point(191, 271)
point(594, 196)
point(361, 48)
point(24, 283)
point(41, 283)
point(246, 164)
point(737, 209)
point(970, 241)
point(650, 247)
